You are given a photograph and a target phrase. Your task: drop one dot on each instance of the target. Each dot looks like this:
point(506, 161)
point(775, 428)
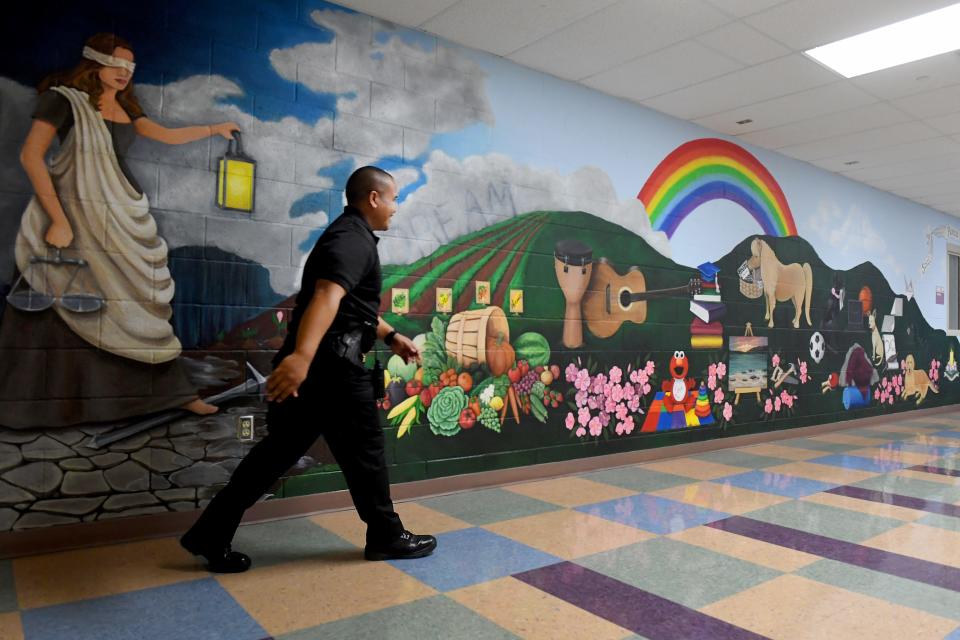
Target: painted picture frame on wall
point(890, 351)
point(516, 301)
point(483, 292)
point(444, 300)
point(400, 301)
point(748, 364)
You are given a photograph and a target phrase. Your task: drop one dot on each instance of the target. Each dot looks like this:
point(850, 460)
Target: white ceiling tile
point(502, 26)
point(835, 124)
point(916, 77)
point(933, 103)
point(409, 13)
point(672, 68)
point(754, 84)
point(942, 202)
point(908, 152)
point(949, 124)
point(738, 41)
point(941, 189)
point(855, 143)
point(900, 169)
point(924, 179)
point(618, 33)
point(741, 8)
point(803, 24)
point(790, 108)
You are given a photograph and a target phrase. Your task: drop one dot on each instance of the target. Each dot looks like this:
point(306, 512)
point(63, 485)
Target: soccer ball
point(817, 346)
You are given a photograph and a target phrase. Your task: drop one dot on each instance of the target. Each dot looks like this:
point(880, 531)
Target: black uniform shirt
point(346, 253)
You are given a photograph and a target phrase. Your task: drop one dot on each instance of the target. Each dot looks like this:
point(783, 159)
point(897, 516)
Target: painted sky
point(582, 149)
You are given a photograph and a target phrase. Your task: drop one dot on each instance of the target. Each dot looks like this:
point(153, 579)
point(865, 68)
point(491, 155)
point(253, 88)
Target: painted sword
point(249, 386)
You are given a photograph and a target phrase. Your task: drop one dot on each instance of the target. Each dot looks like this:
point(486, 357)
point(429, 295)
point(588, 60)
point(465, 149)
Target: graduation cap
point(708, 271)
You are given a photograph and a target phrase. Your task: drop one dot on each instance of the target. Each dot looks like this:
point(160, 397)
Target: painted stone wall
point(584, 276)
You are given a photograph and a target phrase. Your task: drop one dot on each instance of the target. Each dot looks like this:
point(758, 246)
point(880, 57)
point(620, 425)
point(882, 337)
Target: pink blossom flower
point(649, 368)
point(570, 421)
point(609, 405)
point(768, 406)
point(279, 317)
point(622, 411)
point(583, 416)
point(933, 363)
point(582, 383)
point(571, 372)
point(712, 382)
point(788, 400)
point(891, 400)
point(775, 360)
point(628, 425)
point(581, 398)
point(721, 370)
point(635, 376)
point(616, 374)
point(903, 364)
point(619, 429)
point(883, 396)
point(712, 370)
point(634, 403)
point(629, 391)
point(727, 411)
point(595, 427)
point(604, 419)
point(777, 403)
point(616, 393)
point(718, 396)
point(593, 403)
point(643, 377)
point(876, 393)
point(581, 432)
point(646, 389)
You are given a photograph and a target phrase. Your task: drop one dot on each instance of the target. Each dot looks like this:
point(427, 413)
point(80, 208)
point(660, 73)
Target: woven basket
point(752, 286)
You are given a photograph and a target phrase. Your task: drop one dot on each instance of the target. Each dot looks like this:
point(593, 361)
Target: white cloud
point(460, 197)
point(851, 235)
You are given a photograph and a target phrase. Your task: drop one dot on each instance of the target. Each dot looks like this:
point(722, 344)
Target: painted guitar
point(612, 299)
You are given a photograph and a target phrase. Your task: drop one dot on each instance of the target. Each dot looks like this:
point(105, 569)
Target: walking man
point(321, 387)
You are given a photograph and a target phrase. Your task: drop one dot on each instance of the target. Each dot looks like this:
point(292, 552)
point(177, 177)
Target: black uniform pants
point(337, 402)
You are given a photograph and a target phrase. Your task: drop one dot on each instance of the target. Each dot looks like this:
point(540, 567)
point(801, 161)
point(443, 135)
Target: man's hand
point(404, 347)
point(287, 377)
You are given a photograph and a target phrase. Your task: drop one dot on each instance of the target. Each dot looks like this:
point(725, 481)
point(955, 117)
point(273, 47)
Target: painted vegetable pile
point(514, 382)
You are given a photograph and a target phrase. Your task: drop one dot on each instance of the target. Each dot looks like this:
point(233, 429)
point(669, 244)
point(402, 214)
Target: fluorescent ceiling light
point(916, 38)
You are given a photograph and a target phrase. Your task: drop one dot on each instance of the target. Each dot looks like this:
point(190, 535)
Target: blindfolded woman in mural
point(89, 222)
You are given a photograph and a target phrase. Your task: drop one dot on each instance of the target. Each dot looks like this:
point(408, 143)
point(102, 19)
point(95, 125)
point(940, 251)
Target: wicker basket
point(467, 334)
point(751, 285)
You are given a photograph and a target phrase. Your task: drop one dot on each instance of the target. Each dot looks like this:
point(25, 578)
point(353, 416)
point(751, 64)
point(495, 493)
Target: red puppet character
point(679, 388)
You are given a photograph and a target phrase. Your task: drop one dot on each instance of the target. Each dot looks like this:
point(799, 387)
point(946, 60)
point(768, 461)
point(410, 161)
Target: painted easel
point(746, 390)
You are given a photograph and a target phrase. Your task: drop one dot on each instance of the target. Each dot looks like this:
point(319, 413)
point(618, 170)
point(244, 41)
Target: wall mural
point(553, 322)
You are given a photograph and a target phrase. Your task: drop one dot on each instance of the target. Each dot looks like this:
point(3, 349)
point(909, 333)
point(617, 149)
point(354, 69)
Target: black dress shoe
point(408, 545)
point(223, 560)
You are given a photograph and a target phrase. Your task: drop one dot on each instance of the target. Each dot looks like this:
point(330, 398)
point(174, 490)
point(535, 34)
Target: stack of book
point(706, 332)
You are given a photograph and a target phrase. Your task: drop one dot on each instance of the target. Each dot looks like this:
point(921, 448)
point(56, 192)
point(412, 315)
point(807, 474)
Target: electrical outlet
point(245, 428)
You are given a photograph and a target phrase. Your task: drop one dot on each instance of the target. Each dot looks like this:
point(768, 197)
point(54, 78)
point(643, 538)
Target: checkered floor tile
point(852, 534)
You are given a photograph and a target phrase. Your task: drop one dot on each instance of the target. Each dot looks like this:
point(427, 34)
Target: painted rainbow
point(713, 169)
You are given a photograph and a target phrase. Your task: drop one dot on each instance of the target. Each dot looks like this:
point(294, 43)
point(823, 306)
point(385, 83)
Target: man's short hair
point(364, 180)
